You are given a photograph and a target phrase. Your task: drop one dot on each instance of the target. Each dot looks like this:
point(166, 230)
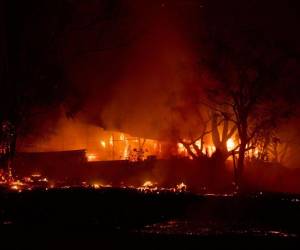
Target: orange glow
point(126, 146)
point(180, 148)
point(148, 184)
point(123, 147)
point(198, 143)
point(17, 185)
point(230, 144)
point(181, 187)
point(210, 150)
point(36, 175)
point(14, 187)
point(91, 157)
point(256, 152)
point(103, 144)
point(126, 151)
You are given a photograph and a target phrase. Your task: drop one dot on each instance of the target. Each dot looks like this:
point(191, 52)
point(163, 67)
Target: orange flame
point(230, 144)
point(103, 144)
point(91, 157)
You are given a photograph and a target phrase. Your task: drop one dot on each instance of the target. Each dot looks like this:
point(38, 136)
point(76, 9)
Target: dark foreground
point(77, 218)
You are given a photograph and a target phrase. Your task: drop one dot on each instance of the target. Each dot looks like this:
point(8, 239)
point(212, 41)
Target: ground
point(87, 218)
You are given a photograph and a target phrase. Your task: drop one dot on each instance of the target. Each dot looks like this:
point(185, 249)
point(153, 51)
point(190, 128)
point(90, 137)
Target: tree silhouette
point(30, 77)
point(246, 83)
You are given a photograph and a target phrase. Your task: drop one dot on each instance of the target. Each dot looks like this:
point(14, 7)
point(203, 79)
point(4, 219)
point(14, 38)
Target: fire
point(148, 184)
point(256, 152)
point(181, 187)
point(126, 149)
point(210, 149)
point(91, 157)
point(17, 185)
point(114, 145)
point(230, 144)
point(96, 186)
point(153, 187)
point(14, 187)
point(37, 175)
point(198, 143)
point(103, 144)
point(181, 149)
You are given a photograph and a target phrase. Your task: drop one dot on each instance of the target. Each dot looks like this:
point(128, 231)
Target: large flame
point(230, 144)
point(181, 149)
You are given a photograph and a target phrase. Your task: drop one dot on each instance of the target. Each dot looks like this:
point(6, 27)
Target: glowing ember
point(17, 185)
point(181, 187)
point(36, 175)
point(14, 187)
point(96, 186)
point(148, 184)
point(111, 141)
point(230, 144)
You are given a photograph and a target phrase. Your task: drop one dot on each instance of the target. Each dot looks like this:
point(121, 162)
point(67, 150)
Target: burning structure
point(183, 81)
point(160, 119)
point(118, 159)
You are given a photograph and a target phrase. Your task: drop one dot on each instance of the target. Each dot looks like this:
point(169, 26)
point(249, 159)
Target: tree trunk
point(240, 163)
point(214, 131)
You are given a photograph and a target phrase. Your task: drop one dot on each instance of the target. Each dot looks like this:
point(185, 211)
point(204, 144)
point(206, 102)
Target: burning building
point(136, 90)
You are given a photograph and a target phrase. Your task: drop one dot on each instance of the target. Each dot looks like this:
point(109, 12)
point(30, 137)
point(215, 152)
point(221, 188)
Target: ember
point(181, 187)
point(148, 184)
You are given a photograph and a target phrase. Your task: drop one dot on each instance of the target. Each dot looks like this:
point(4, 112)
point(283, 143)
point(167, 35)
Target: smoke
point(130, 66)
point(137, 87)
point(133, 65)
